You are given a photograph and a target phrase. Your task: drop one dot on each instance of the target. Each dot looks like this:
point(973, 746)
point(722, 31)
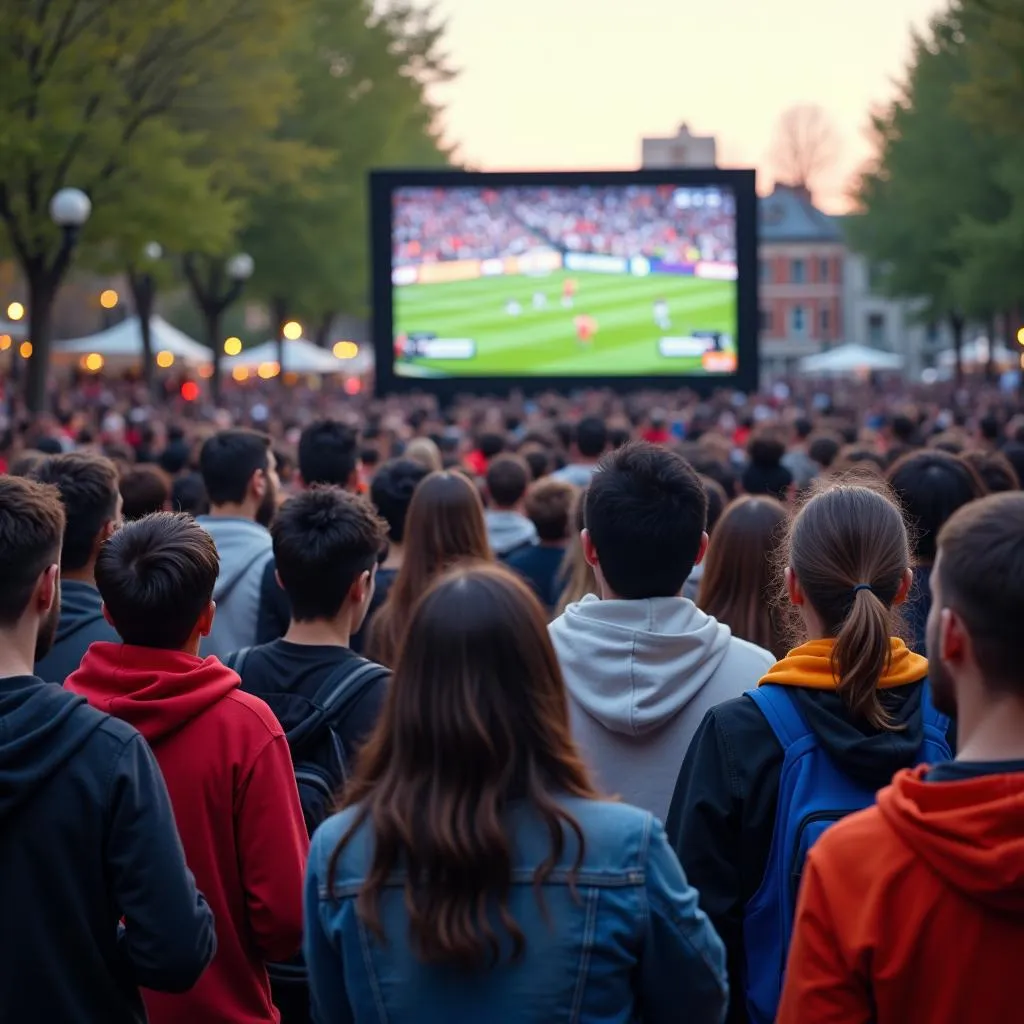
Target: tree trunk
point(279, 310)
point(143, 295)
point(323, 330)
point(41, 293)
point(212, 315)
point(956, 322)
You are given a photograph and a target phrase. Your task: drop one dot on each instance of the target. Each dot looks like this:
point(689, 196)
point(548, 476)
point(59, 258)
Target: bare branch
point(806, 145)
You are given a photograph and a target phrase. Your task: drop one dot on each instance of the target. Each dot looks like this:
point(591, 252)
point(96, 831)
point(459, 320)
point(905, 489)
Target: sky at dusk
point(564, 84)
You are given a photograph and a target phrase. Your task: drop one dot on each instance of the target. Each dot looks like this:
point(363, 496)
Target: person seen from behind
point(474, 869)
point(549, 506)
point(765, 472)
point(88, 487)
point(642, 663)
point(826, 727)
point(445, 526)
point(144, 490)
point(942, 854)
point(240, 476)
point(329, 454)
point(590, 442)
point(509, 532)
point(575, 579)
point(97, 899)
point(930, 486)
point(739, 572)
point(221, 751)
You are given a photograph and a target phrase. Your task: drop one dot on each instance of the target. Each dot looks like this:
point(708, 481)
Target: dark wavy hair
point(475, 716)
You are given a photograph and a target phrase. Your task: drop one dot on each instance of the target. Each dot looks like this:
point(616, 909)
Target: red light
point(353, 386)
point(190, 391)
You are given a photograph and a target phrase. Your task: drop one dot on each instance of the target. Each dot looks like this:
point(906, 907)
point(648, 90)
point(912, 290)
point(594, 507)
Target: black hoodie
point(96, 897)
point(81, 624)
point(722, 816)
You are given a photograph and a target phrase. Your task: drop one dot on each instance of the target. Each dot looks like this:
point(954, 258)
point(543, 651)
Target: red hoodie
point(232, 786)
point(912, 912)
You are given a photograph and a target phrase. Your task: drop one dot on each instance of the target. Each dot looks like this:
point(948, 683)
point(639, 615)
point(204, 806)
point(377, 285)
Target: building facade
point(802, 254)
point(683, 149)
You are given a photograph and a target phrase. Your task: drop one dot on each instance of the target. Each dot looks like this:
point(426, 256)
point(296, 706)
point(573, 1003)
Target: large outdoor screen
point(493, 277)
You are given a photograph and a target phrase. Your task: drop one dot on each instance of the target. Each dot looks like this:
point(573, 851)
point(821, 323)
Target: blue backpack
point(813, 794)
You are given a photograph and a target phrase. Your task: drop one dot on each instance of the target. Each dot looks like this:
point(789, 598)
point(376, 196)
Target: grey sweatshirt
point(245, 549)
point(507, 531)
point(641, 676)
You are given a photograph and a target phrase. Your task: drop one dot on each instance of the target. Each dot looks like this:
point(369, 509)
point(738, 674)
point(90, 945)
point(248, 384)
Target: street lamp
point(69, 210)
point(240, 267)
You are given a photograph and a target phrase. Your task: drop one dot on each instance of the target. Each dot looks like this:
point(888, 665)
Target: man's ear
point(362, 587)
point(589, 551)
point(258, 484)
point(793, 589)
point(702, 550)
point(205, 623)
point(277, 577)
point(47, 588)
point(904, 589)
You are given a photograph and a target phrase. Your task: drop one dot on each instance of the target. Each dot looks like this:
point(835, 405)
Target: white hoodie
point(641, 676)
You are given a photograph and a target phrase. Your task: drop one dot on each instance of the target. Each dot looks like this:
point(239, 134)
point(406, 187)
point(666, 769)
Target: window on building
point(798, 320)
point(765, 271)
point(823, 270)
point(825, 320)
point(766, 319)
point(797, 271)
point(931, 333)
point(876, 330)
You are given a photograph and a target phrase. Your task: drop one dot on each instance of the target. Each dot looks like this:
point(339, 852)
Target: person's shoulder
point(745, 654)
point(611, 829)
point(861, 845)
point(251, 713)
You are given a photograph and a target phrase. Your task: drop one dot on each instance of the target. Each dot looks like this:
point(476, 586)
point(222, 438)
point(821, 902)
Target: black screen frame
point(384, 183)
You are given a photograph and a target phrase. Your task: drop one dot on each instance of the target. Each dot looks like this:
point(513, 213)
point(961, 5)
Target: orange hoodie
point(912, 912)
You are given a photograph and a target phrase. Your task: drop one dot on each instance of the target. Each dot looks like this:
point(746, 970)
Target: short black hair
point(391, 491)
point(324, 540)
point(228, 461)
point(156, 577)
point(31, 528)
point(48, 445)
point(824, 449)
point(328, 453)
point(645, 512)
point(904, 429)
point(508, 476)
point(803, 427)
point(773, 481)
point(931, 485)
point(491, 445)
point(188, 494)
point(549, 506)
point(144, 491)
point(990, 427)
point(89, 489)
point(591, 437)
point(981, 578)
point(539, 461)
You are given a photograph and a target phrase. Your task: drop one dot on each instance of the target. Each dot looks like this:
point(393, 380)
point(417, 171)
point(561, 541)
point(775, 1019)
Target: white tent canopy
point(850, 359)
point(122, 343)
point(299, 356)
point(975, 353)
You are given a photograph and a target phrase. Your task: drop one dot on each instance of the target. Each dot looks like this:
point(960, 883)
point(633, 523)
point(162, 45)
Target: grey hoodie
point(245, 549)
point(507, 531)
point(641, 675)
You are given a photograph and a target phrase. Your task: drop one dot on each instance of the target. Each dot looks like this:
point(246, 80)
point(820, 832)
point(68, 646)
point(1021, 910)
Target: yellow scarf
point(811, 666)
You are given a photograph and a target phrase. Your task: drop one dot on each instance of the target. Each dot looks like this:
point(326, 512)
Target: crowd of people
point(677, 225)
point(579, 707)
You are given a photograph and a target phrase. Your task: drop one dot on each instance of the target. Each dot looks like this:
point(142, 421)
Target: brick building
point(801, 257)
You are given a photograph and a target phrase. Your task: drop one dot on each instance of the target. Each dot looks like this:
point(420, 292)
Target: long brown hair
point(576, 573)
point(475, 716)
point(739, 571)
point(849, 550)
point(445, 524)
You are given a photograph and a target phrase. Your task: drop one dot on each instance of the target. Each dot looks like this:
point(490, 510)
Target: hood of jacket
point(872, 756)
point(156, 691)
point(969, 832)
point(241, 545)
point(633, 665)
point(41, 728)
point(507, 531)
point(80, 607)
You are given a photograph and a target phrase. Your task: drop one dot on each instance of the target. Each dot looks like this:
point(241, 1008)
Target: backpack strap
point(782, 714)
point(237, 659)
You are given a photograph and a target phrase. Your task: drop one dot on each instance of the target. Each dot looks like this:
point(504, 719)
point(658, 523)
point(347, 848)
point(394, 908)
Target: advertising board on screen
point(564, 279)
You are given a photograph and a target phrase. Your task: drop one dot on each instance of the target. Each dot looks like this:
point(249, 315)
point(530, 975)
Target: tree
point(994, 96)
point(806, 144)
point(934, 186)
point(361, 76)
point(128, 100)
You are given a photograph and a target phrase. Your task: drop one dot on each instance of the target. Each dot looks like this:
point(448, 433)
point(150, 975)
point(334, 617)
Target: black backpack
point(318, 753)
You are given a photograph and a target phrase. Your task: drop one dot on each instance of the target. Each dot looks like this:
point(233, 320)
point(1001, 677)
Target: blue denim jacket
point(632, 944)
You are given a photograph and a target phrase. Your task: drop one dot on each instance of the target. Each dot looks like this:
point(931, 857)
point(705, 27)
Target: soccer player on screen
point(568, 293)
point(586, 328)
point(661, 317)
point(512, 308)
point(540, 301)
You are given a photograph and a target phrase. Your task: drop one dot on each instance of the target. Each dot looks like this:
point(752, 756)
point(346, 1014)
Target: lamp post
point(143, 285)
point(222, 286)
point(69, 210)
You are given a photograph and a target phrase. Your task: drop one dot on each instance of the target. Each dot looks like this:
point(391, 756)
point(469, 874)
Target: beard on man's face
point(268, 507)
point(48, 630)
point(943, 689)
